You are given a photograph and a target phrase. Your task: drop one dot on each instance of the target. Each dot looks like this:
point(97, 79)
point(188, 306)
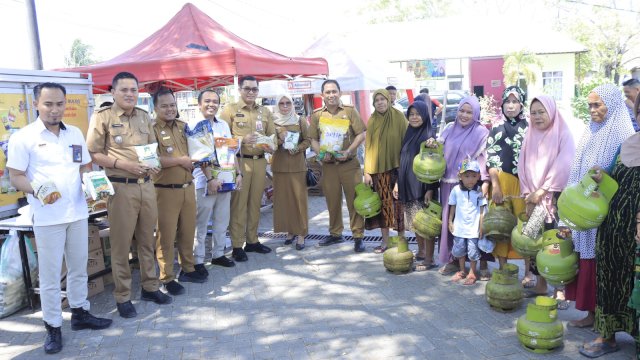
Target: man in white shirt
point(48, 155)
point(212, 204)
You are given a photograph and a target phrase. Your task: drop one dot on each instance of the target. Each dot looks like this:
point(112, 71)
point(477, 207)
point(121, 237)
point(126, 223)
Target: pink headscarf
point(546, 156)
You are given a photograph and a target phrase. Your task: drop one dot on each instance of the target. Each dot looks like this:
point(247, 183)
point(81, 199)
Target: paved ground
point(320, 303)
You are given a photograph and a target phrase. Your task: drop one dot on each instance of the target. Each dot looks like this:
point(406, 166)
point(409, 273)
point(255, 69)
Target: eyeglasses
point(250, 90)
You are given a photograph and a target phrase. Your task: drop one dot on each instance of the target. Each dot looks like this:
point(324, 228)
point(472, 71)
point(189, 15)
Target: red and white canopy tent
point(192, 52)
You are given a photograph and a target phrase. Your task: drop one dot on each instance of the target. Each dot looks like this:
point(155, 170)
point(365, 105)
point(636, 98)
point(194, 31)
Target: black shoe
point(157, 297)
point(223, 261)
point(330, 240)
point(289, 241)
point(126, 310)
point(81, 319)
point(257, 247)
point(53, 341)
point(174, 288)
point(193, 277)
point(300, 245)
point(358, 245)
point(239, 255)
point(200, 269)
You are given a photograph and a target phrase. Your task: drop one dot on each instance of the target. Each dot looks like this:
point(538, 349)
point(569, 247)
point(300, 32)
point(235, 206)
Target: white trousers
point(218, 209)
point(55, 241)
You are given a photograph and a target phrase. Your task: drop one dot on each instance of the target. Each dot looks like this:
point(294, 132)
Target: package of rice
point(291, 140)
point(200, 140)
point(333, 133)
point(97, 185)
point(266, 142)
point(148, 155)
point(46, 192)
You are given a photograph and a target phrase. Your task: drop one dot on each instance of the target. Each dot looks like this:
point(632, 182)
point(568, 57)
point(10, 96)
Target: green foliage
point(384, 11)
point(520, 63)
point(579, 102)
point(79, 55)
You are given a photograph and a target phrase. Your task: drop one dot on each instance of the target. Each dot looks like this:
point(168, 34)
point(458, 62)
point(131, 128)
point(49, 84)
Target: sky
point(284, 26)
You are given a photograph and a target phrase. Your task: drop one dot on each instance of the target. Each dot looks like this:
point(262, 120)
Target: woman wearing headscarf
point(543, 171)
point(503, 151)
point(289, 173)
point(464, 138)
point(413, 194)
point(385, 130)
point(617, 237)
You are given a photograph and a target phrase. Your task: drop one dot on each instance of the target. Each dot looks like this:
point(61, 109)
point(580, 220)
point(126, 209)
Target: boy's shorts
point(468, 247)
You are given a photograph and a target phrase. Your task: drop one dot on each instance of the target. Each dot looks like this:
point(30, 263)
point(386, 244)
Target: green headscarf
point(384, 138)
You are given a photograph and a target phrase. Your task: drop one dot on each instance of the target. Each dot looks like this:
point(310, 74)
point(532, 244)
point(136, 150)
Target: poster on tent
point(14, 115)
point(76, 112)
point(426, 69)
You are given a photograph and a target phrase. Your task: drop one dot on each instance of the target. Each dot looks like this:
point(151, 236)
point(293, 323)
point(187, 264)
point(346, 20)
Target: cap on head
point(468, 165)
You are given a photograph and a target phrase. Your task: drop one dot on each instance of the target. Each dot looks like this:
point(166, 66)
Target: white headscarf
point(598, 146)
point(280, 119)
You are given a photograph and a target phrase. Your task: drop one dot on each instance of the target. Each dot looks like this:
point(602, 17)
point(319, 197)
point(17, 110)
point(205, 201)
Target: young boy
point(466, 209)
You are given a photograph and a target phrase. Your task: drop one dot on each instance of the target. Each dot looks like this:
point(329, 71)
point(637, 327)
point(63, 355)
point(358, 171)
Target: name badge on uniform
point(76, 151)
point(239, 115)
point(166, 137)
point(117, 125)
point(259, 126)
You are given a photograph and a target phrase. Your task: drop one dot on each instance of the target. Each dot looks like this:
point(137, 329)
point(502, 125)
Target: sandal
point(289, 241)
point(579, 324)
point(528, 283)
point(563, 304)
point(423, 267)
point(458, 276)
point(379, 249)
point(485, 275)
point(448, 269)
point(595, 349)
point(469, 280)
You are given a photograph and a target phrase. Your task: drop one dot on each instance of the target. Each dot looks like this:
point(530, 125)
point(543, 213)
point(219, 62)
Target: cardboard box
point(94, 287)
point(94, 238)
point(95, 262)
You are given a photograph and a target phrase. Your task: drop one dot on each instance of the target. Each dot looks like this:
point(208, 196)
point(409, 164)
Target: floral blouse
point(504, 144)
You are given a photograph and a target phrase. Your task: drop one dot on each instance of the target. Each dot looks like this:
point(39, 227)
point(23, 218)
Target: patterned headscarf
point(519, 94)
point(600, 142)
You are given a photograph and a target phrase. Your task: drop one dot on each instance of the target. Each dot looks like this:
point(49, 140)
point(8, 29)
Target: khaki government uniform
point(341, 176)
point(245, 203)
point(290, 199)
point(176, 202)
point(133, 208)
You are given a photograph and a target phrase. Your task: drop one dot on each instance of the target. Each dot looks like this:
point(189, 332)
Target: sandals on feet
point(448, 269)
point(469, 280)
point(379, 249)
point(423, 267)
point(485, 275)
point(458, 276)
point(595, 349)
point(563, 304)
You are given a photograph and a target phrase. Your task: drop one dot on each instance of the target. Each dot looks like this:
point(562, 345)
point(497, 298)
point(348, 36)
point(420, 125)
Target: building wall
point(556, 63)
point(487, 73)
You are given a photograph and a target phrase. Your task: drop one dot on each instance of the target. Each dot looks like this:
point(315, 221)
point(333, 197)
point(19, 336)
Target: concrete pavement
point(319, 303)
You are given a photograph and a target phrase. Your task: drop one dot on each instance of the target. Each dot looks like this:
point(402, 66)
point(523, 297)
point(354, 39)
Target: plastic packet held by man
point(46, 192)
point(97, 185)
point(148, 155)
point(226, 150)
point(334, 131)
point(266, 142)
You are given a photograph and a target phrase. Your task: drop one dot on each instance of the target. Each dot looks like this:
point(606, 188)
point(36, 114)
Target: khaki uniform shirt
point(244, 120)
point(356, 125)
point(115, 134)
point(172, 142)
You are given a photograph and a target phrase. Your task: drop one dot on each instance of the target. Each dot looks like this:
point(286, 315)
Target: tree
point(607, 31)
point(382, 11)
point(79, 55)
point(520, 63)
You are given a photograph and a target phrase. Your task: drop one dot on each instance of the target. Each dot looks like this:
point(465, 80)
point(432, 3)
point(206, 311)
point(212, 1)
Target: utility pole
point(32, 18)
